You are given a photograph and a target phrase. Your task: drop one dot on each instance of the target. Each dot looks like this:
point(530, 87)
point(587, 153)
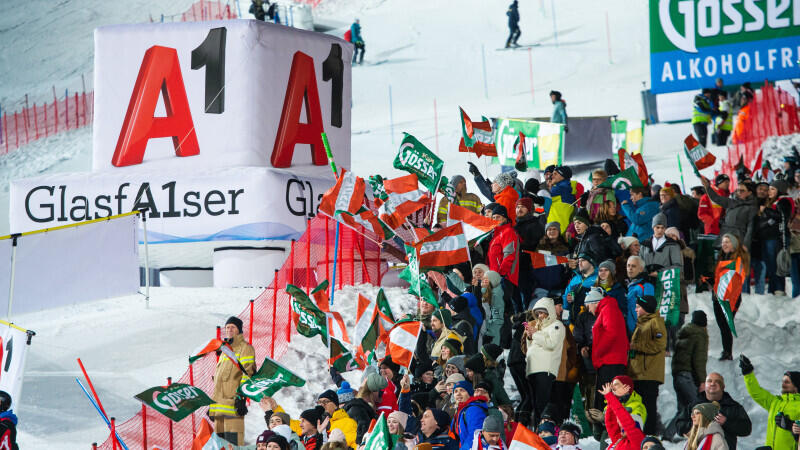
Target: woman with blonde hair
point(706, 432)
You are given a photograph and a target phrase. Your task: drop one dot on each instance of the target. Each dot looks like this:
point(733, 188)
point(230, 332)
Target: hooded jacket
point(547, 343)
point(648, 349)
point(342, 421)
point(637, 287)
point(667, 256)
point(468, 418)
point(691, 352)
point(494, 323)
point(609, 340)
point(739, 215)
point(504, 253)
point(788, 404)
point(578, 286)
point(641, 216)
point(563, 189)
point(508, 197)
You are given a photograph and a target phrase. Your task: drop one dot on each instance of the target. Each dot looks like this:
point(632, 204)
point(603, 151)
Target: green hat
point(708, 410)
point(444, 316)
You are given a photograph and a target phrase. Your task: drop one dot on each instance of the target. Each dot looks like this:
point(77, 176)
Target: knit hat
point(264, 436)
point(393, 366)
point(458, 361)
point(285, 419)
point(493, 424)
point(494, 278)
point(444, 316)
point(491, 351)
point(330, 395)
point(283, 430)
point(668, 190)
point(400, 416)
point(721, 178)
point(781, 185)
point(527, 202)
point(572, 428)
point(549, 169)
point(500, 210)
point(594, 295)
point(422, 367)
point(608, 264)
point(375, 382)
point(532, 185)
point(553, 224)
point(650, 439)
point(475, 363)
point(485, 385)
point(454, 345)
point(795, 377)
point(581, 215)
point(707, 410)
point(659, 219)
point(549, 427)
point(482, 267)
point(588, 257)
point(466, 385)
point(655, 188)
point(281, 441)
point(489, 207)
point(455, 180)
point(699, 318)
point(626, 241)
point(504, 179)
point(459, 304)
point(648, 303)
point(313, 415)
point(564, 171)
point(236, 321)
point(442, 418)
point(454, 378)
point(734, 240)
point(624, 379)
point(337, 435)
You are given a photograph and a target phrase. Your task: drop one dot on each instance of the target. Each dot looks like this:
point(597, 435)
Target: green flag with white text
point(379, 438)
point(419, 283)
point(668, 295)
point(624, 180)
point(413, 157)
point(175, 401)
point(311, 320)
point(269, 379)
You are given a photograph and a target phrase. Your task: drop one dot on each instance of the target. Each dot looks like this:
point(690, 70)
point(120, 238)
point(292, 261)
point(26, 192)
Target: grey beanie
point(781, 185)
point(553, 224)
point(660, 219)
point(504, 179)
point(458, 361)
point(608, 264)
point(376, 382)
point(456, 179)
point(493, 424)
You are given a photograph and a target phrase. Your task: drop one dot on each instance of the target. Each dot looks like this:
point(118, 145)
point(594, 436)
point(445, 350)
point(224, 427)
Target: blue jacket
point(641, 216)
point(355, 32)
point(564, 189)
point(637, 287)
point(474, 311)
point(578, 286)
point(469, 418)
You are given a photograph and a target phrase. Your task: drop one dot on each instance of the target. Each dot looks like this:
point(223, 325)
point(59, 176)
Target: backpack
point(348, 35)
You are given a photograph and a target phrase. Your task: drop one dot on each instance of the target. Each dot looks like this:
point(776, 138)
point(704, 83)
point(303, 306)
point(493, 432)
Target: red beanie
point(527, 202)
point(624, 379)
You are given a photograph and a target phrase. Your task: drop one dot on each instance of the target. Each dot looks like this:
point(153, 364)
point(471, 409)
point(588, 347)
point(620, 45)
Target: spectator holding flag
point(739, 211)
point(733, 261)
point(463, 198)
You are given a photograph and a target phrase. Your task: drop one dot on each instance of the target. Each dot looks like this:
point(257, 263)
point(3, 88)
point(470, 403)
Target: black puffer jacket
point(597, 244)
point(583, 338)
point(739, 215)
point(769, 221)
point(360, 411)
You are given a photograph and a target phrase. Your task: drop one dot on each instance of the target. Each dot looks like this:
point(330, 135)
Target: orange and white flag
point(346, 195)
point(403, 341)
point(525, 439)
point(539, 260)
point(475, 225)
point(446, 247)
point(336, 327)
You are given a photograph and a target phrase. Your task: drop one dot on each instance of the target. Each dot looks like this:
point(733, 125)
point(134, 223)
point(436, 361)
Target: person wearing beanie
point(688, 371)
point(547, 431)
point(433, 430)
point(391, 371)
point(739, 211)
point(339, 419)
point(470, 414)
point(647, 357)
point(607, 279)
point(227, 413)
point(551, 278)
point(651, 442)
point(660, 251)
point(262, 438)
point(545, 340)
point(568, 436)
point(503, 193)
point(609, 341)
point(503, 256)
point(669, 207)
point(464, 323)
point(706, 432)
point(441, 323)
point(530, 231)
point(491, 434)
point(560, 185)
point(310, 421)
point(345, 393)
point(623, 417)
point(584, 278)
point(475, 366)
point(773, 233)
point(463, 198)
point(280, 441)
point(781, 409)
point(640, 210)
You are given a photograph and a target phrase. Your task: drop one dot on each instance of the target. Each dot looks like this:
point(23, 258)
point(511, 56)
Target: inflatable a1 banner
point(14, 346)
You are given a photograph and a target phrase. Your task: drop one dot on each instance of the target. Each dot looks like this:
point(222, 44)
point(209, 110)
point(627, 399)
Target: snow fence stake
point(274, 313)
point(250, 332)
point(308, 257)
point(144, 424)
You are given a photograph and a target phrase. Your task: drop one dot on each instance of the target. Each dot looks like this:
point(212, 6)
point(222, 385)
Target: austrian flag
point(540, 260)
point(404, 197)
point(403, 341)
point(446, 247)
point(475, 225)
point(347, 195)
point(697, 154)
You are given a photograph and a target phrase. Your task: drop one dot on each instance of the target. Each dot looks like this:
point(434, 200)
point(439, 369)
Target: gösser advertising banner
point(544, 142)
point(694, 42)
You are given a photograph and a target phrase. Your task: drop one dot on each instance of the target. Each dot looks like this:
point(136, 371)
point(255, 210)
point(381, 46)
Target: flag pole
point(328, 152)
point(103, 416)
point(683, 186)
point(322, 213)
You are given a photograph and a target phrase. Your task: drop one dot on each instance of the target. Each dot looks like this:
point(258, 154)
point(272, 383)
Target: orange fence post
point(308, 256)
point(36, 120)
point(77, 124)
point(144, 425)
point(113, 433)
point(16, 130)
point(274, 314)
point(250, 332)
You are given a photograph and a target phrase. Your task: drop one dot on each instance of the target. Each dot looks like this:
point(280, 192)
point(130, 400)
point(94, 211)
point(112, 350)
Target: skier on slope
point(357, 40)
point(513, 24)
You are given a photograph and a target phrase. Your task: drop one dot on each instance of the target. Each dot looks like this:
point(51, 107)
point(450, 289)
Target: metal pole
point(13, 273)
point(485, 83)
point(436, 125)
point(608, 39)
point(335, 260)
point(391, 126)
point(555, 30)
point(530, 70)
point(146, 262)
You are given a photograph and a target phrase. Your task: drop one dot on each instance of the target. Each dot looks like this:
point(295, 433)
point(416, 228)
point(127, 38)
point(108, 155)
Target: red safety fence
point(39, 121)
point(267, 322)
point(772, 112)
point(208, 10)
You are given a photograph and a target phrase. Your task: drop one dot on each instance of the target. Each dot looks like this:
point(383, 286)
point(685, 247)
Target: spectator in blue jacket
point(471, 413)
point(561, 184)
point(638, 286)
point(358, 41)
point(577, 287)
point(640, 211)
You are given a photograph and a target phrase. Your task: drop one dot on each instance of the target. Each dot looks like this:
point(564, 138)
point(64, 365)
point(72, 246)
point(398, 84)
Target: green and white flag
point(384, 308)
point(624, 180)
point(419, 284)
point(447, 190)
point(668, 295)
point(380, 438)
point(341, 358)
point(413, 157)
point(378, 191)
point(311, 320)
point(175, 401)
point(269, 379)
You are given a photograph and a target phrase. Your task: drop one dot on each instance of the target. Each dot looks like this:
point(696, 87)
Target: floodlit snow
point(426, 52)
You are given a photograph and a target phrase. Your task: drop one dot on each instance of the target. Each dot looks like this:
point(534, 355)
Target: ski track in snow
point(432, 51)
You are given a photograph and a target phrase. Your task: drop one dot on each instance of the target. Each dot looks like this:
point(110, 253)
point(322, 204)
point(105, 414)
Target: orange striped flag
point(346, 195)
point(475, 225)
point(445, 247)
point(525, 439)
point(403, 341)
point(539, 260)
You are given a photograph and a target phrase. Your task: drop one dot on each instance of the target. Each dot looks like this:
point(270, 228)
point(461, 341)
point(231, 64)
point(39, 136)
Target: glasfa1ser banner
point(544, 142)
point(692, 43)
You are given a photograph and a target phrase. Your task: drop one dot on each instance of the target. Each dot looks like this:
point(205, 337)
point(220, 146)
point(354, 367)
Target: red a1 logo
point(160, 75)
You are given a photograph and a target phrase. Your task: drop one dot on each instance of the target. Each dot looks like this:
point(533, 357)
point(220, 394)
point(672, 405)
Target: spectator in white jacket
point(545, 341)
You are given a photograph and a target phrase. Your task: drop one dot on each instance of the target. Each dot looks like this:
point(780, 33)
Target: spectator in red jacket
point(710, 213)
point(625, 433)
point(609, 339)
point(504, 253)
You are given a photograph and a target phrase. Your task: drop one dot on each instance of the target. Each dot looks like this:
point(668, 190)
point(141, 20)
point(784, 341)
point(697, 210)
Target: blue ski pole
point(105, 419)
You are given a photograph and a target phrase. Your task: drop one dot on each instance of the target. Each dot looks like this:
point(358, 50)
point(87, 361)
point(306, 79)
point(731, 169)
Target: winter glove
point(745, 365)
point(240, 403)
point(783, 421)
point(474, 170)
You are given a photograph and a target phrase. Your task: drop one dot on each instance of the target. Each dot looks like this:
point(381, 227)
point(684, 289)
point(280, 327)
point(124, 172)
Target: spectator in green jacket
point(782, 410)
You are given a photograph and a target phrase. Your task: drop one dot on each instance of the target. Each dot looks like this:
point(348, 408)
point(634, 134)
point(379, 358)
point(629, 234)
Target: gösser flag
point(728, 287)
point(697, 154)
point(446, 247)
point(525, 439)
point(668, 295)
point(403, 341)
point(413, 157)
point(269, 379)
point(175, 401)
point(476, 137)
point(475, 225)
